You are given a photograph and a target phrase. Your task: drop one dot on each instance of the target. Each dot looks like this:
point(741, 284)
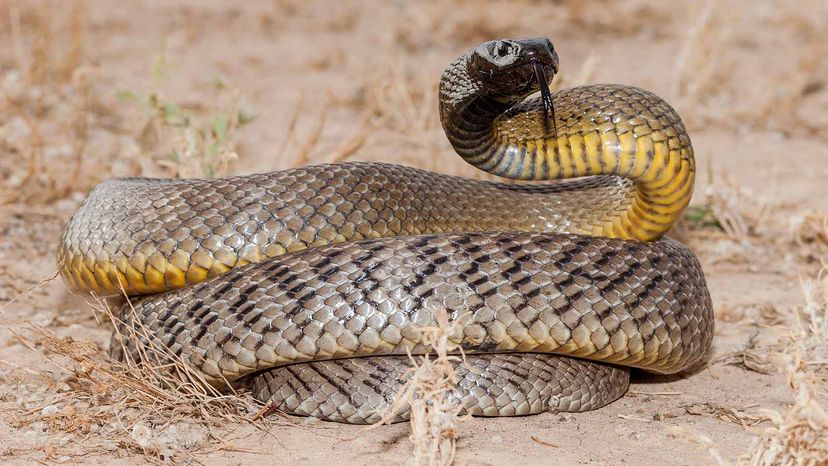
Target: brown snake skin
point(290, 276)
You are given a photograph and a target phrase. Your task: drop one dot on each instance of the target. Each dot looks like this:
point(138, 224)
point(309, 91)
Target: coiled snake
point(318, 280)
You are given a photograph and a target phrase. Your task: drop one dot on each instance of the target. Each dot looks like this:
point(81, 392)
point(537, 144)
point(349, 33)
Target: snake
point(315, 285)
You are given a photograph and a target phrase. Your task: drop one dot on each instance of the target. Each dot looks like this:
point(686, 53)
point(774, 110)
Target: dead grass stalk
point(799, 436)
point(812, 318)
point(151, 404)
point(434, 416)
point(739, 226)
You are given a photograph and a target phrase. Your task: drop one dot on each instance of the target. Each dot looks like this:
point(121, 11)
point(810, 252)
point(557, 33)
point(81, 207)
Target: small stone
point(50, 410)
point(109, 445)
point(142, 435)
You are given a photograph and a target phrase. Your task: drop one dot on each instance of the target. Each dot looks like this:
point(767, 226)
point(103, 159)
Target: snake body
point(317, 281)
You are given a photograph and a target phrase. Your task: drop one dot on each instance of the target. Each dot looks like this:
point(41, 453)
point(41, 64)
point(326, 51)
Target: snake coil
point(315, 282)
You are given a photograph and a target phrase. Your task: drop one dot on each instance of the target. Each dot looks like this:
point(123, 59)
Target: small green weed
point(190, 142)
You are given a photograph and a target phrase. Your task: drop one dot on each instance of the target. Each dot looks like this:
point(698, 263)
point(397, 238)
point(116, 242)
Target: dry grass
point(306, 147)
point(718, 88)
point(732, 211)
point(697, 61)
point(402, 102)
point(812, 318)
point(434, 416)
point(61, 132)
point(737, 226)
point(401, 107)
point(60, 129)
point(739, 416)
point(48, 101)
point(738, 212)
point(151, 404)
point(732, 225)
point(809, 231)
point(798, 436)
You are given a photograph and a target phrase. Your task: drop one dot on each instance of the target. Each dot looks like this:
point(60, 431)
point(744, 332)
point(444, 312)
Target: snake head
point(510, 68)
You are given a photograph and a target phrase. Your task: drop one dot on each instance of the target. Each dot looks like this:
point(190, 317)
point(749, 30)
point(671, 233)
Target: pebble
point(142, 435)
point(50, 410)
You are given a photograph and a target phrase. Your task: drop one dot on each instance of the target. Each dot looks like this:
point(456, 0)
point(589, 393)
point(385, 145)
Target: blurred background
point(94, 89)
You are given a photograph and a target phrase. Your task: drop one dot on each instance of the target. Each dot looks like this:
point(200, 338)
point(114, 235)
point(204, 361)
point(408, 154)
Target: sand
point(333, 80)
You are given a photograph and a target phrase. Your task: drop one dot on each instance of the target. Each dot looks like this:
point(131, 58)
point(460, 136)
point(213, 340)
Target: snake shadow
point(638, 376)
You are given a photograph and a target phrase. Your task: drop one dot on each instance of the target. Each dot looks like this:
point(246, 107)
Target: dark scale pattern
point(600, 129)
point(645, 305)
point(155, 235)
point(360, 391)
point(322, 263)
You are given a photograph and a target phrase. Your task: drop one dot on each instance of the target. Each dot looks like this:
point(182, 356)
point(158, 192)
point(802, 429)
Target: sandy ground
point(334, 80)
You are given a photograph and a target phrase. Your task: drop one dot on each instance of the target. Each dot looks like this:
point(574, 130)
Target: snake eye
point(494, 56)
point(503, 48)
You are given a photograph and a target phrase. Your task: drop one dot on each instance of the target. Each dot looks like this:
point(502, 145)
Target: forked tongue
point(546, 99)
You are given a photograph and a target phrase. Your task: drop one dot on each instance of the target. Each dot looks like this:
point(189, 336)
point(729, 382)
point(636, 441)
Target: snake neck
point(622, 131)
point(468, 109)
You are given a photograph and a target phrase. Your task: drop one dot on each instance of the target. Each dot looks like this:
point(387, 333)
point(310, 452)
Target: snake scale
point(313, 283)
